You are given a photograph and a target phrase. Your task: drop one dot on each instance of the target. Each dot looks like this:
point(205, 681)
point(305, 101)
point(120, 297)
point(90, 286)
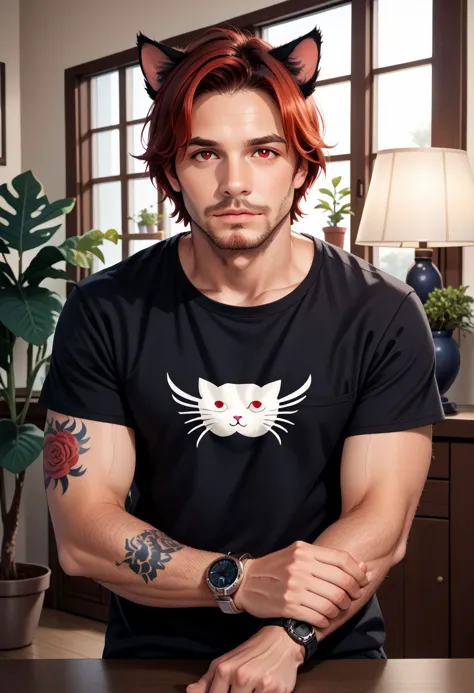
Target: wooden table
point(172, 676)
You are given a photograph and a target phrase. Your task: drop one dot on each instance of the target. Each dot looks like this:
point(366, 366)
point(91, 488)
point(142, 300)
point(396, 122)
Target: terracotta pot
point(21, 602)
point(335, 235)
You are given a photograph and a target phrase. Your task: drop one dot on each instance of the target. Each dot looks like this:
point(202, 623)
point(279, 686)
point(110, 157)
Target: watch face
point(223, 573)
point(302, 629)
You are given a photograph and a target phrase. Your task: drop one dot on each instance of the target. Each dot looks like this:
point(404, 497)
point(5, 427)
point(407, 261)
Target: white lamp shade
point(419, 194)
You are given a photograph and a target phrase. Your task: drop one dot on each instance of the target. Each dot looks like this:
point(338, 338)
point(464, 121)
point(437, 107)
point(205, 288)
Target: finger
point(337, 577)
point(335, 596)
point(221, 681)
point(203, 685)
point(197, 687)
point(344, 561)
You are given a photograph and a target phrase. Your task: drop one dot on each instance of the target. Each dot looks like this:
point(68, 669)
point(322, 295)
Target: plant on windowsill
point(28, 312)
point(336, 210)
point(147, 222)
point(448, 309)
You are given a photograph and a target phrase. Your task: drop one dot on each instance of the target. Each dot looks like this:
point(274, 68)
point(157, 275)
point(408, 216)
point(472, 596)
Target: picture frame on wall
point(3, 125)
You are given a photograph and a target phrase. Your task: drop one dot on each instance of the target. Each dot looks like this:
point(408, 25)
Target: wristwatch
point(300, 631)
point(223, 578)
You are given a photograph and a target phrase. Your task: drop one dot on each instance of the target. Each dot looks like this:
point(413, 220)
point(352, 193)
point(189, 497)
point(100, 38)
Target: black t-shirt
point(240, 414)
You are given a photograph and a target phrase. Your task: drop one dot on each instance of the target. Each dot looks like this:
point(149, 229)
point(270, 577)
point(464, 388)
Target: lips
point(234, 213)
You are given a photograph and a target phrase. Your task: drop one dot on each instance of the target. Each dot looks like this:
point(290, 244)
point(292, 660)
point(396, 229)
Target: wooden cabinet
point(425, 599)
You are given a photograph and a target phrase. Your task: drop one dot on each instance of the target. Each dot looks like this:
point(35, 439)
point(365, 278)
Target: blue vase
point(423, 275)
point(448, 362)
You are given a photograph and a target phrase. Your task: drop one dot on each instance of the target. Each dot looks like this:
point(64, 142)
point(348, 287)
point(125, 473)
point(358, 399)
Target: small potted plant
point(448, 309)
point(336, 210)
point(147, 222)
point(28, 313)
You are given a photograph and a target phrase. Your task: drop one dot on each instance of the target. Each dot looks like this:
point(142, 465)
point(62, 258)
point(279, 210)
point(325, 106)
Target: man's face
point(223, 169)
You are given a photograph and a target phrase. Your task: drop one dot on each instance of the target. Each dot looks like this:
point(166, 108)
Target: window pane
point(106, 154)
point(395, 261)
point(106, 200)
point(141, 194)
point(403, 31)
point(335, 25)
point(316, 219)
point(138, 102)
point(135, 147)
point(105, 100)
point(402, 115)
point(334, 103)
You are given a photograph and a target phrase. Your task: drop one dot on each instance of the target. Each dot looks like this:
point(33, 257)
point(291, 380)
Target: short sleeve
point(82, 378)
point(400, 391)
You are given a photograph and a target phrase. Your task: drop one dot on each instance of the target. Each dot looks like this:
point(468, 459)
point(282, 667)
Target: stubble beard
point(245, 240)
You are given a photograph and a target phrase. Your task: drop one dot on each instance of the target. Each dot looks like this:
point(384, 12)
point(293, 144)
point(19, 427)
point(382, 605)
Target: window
point(402, 92)
point(117, 183)
point(333, 99)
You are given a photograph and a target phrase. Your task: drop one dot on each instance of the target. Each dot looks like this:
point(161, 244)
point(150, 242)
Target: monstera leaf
point(20, 446)
point(31, 209)
point(30, 312)
point(40, 266)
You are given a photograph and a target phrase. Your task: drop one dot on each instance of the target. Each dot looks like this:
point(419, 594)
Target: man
point(267, 397)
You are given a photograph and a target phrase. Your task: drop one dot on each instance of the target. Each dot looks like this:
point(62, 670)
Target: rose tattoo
point(61, 451)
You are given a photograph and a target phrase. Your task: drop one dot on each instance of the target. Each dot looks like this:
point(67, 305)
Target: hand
point(266, 663)
point(303, 581)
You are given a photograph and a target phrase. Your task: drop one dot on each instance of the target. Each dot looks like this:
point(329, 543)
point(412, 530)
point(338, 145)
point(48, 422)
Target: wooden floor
point(62, 636)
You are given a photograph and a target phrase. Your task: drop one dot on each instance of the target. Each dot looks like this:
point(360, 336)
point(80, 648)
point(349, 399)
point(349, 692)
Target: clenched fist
point(306, 582)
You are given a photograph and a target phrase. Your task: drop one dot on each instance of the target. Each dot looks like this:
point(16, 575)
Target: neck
point(246, 276)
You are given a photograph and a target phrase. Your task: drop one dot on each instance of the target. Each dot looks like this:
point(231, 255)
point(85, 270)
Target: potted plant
point(336, 210)
point(147, 222)
point(28, 312)
point(448, 309)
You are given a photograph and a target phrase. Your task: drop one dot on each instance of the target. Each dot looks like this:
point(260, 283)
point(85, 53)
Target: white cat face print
point(243, 408)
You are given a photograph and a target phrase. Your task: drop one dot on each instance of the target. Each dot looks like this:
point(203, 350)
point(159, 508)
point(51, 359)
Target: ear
point(302, 57)
point(156, 62)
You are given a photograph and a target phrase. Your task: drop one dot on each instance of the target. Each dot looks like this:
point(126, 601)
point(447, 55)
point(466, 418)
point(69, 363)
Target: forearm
point(364, 535)
point(150, 569)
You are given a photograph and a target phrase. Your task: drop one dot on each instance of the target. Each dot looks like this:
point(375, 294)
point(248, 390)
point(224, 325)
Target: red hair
point(227, 60)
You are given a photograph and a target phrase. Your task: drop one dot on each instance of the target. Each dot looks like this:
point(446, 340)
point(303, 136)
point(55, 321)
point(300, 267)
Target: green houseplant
point(146, 221)
point(448, 309)
point(28, 312)
point(336, 210)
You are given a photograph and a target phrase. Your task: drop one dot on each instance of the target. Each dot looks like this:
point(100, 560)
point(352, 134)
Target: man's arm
point(382, 478)
point(88, 471)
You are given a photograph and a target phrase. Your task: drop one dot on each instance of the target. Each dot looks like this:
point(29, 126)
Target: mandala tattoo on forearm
point(148, 552)
point(61, 451)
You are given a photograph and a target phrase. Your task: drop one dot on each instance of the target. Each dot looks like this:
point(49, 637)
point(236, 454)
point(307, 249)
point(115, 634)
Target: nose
point(237, 418)
point(236, 178)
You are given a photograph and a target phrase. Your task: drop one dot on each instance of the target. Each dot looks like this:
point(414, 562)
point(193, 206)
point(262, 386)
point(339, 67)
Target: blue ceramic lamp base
point(423, 276)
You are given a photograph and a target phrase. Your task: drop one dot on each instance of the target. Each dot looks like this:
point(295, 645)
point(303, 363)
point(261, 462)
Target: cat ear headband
point(301, 57)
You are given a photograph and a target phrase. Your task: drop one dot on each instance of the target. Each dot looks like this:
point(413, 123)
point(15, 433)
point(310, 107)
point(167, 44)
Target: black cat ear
point(302, 57)
point(156, 62)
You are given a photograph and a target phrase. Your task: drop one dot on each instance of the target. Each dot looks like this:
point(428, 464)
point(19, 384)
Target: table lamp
point(422, 198)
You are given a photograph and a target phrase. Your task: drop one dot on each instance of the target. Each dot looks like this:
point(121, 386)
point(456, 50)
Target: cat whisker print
point(246, 408)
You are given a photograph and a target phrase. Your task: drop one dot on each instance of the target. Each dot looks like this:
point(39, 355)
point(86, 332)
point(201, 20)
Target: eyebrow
point(255, 142)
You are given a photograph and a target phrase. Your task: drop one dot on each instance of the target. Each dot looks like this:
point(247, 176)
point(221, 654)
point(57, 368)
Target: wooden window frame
point(448, 124)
